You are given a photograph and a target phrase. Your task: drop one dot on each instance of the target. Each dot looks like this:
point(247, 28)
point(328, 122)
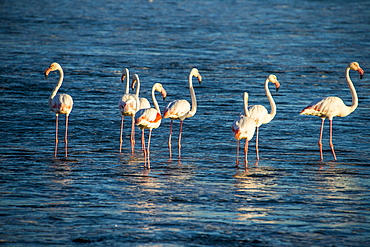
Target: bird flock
point(245, 126)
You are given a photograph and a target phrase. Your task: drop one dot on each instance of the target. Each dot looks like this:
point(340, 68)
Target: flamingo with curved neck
point(243, 127)
point(259, 113)
point(59, 104)
point(180, 109)
point(127, 105)
point(150, 118)
point(330, 107)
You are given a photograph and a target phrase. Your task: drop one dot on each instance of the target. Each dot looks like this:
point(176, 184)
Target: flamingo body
point(59, 104)
point(331, 107)
point(177, 110)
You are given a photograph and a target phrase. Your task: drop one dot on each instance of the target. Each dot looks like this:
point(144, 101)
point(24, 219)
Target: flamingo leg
point(331, 139)
point(144, 148)
point(66, 137)
point(169, 139)
point(237, 152)
point(257, 150)
point(246, 153)
point(180, 134)
point(142, 140)
point(121, 133)
point(133, 135)
point(56, 135)
point(320, 138)
point(148, 149)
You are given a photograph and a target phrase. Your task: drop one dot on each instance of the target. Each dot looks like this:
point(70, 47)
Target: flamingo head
point(135, 79)
point(124, 74)
point(356, 66)
point(194, 72)
point(52, 67)
point(272, 78)
point(159, 88)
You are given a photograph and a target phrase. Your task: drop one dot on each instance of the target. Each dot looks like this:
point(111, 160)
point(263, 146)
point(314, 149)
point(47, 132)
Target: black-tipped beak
point(361, 72)
point(46, 73)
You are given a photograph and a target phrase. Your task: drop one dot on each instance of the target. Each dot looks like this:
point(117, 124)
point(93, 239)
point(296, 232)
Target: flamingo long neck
point(137, 86)
point(127, 81)
point(246, 111)
point(271, 100)
point(156, 106)
point(193, 99)
point(55, 91)
point(353, 92)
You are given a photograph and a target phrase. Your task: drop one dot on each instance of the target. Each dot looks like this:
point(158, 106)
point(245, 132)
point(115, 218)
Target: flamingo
point(259, 113)
point(243, 127)
point(128, 105)
point(59, 104)
point(150, 118)
point(330, 107)
point(180, 109)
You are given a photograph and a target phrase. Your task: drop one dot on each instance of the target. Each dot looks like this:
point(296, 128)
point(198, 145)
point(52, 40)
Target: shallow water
point(100, 197)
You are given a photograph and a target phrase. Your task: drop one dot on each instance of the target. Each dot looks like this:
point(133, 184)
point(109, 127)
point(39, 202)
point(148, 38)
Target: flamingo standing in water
point(150, 118)
point(330, 107)
point(259, 113)
point(60, 104)
point(243, 128)
point(128, 105)
point(180, 109)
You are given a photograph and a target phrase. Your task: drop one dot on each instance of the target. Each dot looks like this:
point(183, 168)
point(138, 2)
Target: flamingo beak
point(46, 73)
point(361, 72)
point(277, 85)
point(164, 94)
point(199, 79)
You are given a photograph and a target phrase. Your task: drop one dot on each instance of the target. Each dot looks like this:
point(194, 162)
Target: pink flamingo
point(150, 118)
point(259, 113)
point(330, 107)
point(60, 104)
point(128, 105)
point(180, 109)
point(243, 128)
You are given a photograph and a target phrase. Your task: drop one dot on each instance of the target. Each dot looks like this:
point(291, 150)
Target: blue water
point(99, 197)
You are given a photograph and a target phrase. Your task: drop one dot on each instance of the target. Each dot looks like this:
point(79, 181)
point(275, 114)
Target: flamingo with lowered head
point(243, 127)
point(259, 113)
point(150, 118)
point(330, 107)
point(128, 105)
point(59, 104)
point(180, 109)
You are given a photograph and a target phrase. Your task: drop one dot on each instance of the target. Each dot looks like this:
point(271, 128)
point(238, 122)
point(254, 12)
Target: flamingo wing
point(243, 128)
point(177, 109)
point(148, 118)
point(325, 108)
point(259, 114)
point(62, 104)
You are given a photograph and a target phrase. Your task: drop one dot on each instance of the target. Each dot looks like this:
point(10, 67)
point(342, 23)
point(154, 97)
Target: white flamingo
point(330, 107)
point(128, 105)
point(180, 109)
point(243, 127)
point(259, 113)
point(144, 102)
point(59, 104)
point(150, 118)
